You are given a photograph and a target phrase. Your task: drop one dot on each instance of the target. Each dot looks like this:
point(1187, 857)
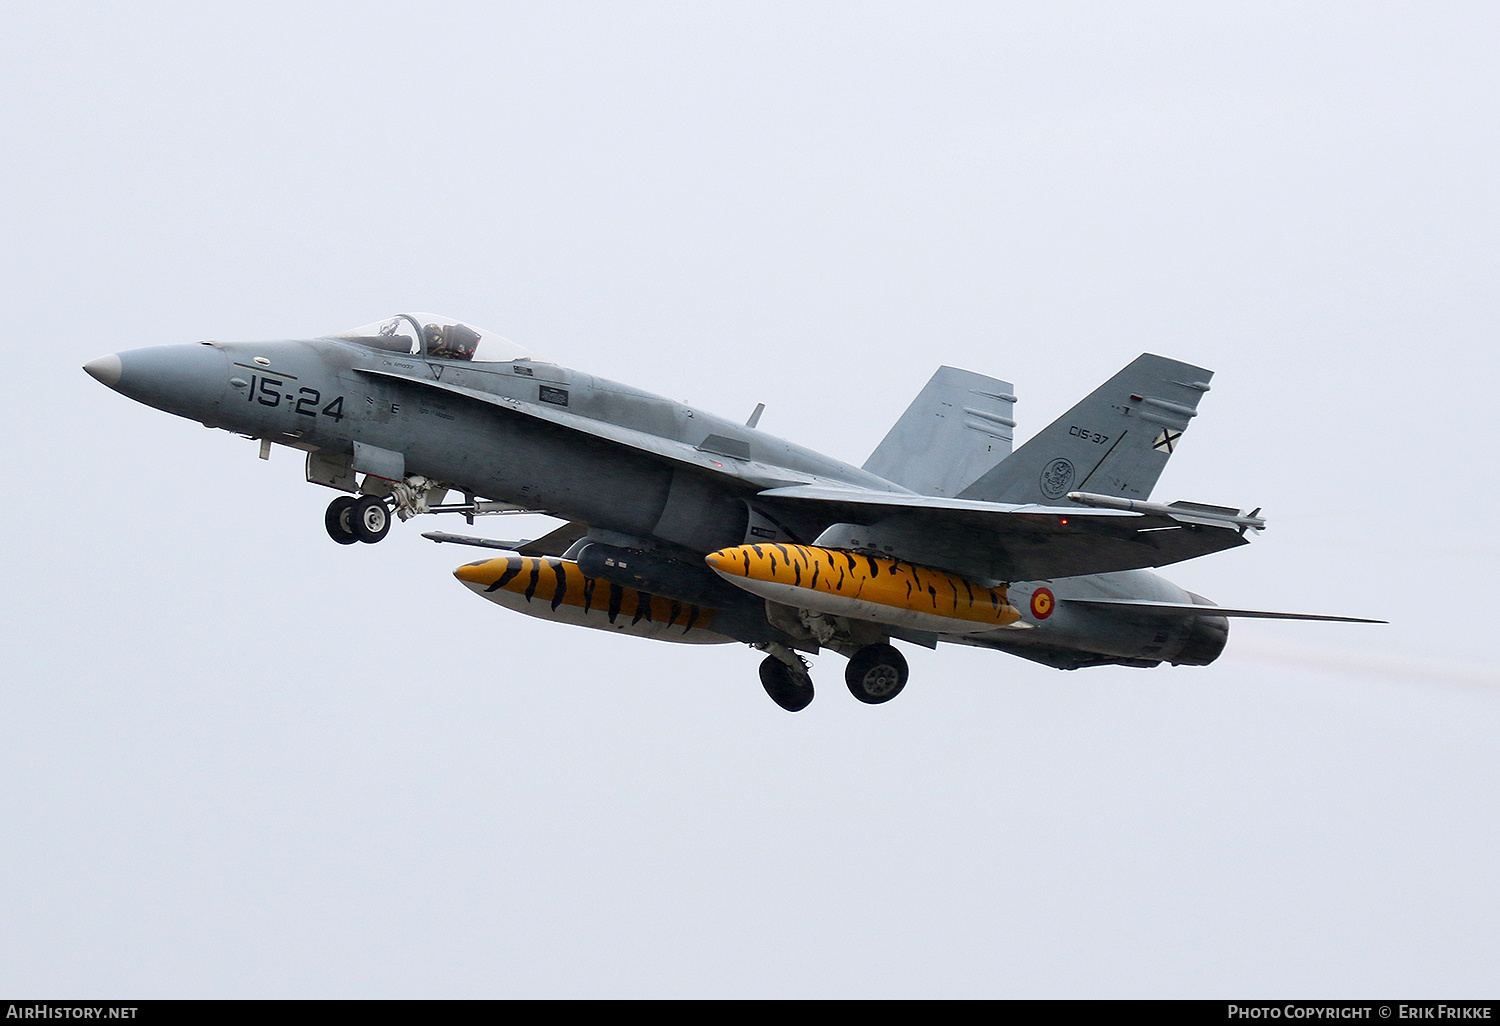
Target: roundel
point(1042, 603)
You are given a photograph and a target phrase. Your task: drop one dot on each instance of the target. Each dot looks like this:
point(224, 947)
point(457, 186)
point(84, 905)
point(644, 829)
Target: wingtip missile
point(1181, 510)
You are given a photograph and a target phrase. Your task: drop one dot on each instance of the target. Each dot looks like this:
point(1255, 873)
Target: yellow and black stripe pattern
point(885, 582)
point(551, 582)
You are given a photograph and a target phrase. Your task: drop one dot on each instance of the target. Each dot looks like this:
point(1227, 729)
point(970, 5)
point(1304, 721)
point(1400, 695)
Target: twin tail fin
point(1115, 442)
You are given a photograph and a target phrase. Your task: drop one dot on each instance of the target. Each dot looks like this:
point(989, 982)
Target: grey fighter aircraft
point(683, 526)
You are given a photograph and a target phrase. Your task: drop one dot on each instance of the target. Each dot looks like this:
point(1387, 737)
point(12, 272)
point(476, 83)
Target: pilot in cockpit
point(450, 342)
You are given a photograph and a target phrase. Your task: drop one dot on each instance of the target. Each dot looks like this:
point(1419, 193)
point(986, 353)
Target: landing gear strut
point(349, 520)
point(876, 674)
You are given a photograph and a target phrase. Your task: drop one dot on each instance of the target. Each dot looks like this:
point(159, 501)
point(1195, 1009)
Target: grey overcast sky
point(239, 760)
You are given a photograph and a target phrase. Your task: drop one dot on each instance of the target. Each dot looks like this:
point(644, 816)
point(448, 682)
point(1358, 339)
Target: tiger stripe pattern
point(886, 582)
point(553, 582)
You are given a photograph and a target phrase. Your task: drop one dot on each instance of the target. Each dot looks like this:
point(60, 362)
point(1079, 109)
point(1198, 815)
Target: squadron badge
point(1056, 477)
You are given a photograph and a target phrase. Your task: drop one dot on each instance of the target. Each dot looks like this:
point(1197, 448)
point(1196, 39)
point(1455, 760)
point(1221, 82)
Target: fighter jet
point(687, 527)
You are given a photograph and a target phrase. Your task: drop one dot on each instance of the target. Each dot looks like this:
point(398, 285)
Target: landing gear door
point(333, 470)
point(371, 459)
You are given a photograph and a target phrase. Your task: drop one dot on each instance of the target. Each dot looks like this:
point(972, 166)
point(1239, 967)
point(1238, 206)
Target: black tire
point(339, 520)
point(372, 519)
point(876, 674)
point(780, 683)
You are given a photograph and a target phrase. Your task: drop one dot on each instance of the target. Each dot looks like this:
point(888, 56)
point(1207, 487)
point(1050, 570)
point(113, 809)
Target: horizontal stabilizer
point(1194, 609)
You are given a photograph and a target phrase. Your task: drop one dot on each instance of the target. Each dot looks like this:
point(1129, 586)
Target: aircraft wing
point(753, 473)
point(978, 539)
point(1006, 542)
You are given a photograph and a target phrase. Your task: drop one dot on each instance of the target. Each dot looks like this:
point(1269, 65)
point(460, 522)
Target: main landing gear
point(784, 675)
point(875, 674)
point(366, 519)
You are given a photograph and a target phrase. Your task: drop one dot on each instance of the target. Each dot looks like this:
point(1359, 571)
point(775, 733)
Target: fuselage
point(342, 398)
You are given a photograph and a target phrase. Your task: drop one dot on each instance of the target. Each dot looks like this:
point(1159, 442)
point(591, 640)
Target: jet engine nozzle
point(1206, 636)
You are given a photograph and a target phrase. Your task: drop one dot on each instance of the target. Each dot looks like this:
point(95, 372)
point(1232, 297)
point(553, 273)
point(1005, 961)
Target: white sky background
point(241, 760)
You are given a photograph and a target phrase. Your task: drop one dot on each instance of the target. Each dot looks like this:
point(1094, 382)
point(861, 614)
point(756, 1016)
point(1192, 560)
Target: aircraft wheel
point(339, 520)
point(783, 687)
point(876, 674)
point(372, 519)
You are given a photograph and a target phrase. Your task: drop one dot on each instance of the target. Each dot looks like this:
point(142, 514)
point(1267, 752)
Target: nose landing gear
point(368, 517)
point(339, 520)
point(365, 519)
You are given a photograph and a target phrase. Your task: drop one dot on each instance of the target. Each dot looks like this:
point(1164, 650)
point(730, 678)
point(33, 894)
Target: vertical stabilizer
point(955, 431)
point(1115, 442)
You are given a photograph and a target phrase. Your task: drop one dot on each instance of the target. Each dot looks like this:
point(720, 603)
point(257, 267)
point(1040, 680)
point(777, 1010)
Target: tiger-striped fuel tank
point(865, 587)
point(556, 589)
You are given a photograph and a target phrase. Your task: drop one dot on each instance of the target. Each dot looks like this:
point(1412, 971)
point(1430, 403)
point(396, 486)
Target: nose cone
point(727, 562)
point(482, 574)
point(104, 369)
point(186, 380)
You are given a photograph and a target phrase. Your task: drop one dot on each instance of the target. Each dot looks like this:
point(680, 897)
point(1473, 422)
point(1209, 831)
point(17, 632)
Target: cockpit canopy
point(436, 337)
